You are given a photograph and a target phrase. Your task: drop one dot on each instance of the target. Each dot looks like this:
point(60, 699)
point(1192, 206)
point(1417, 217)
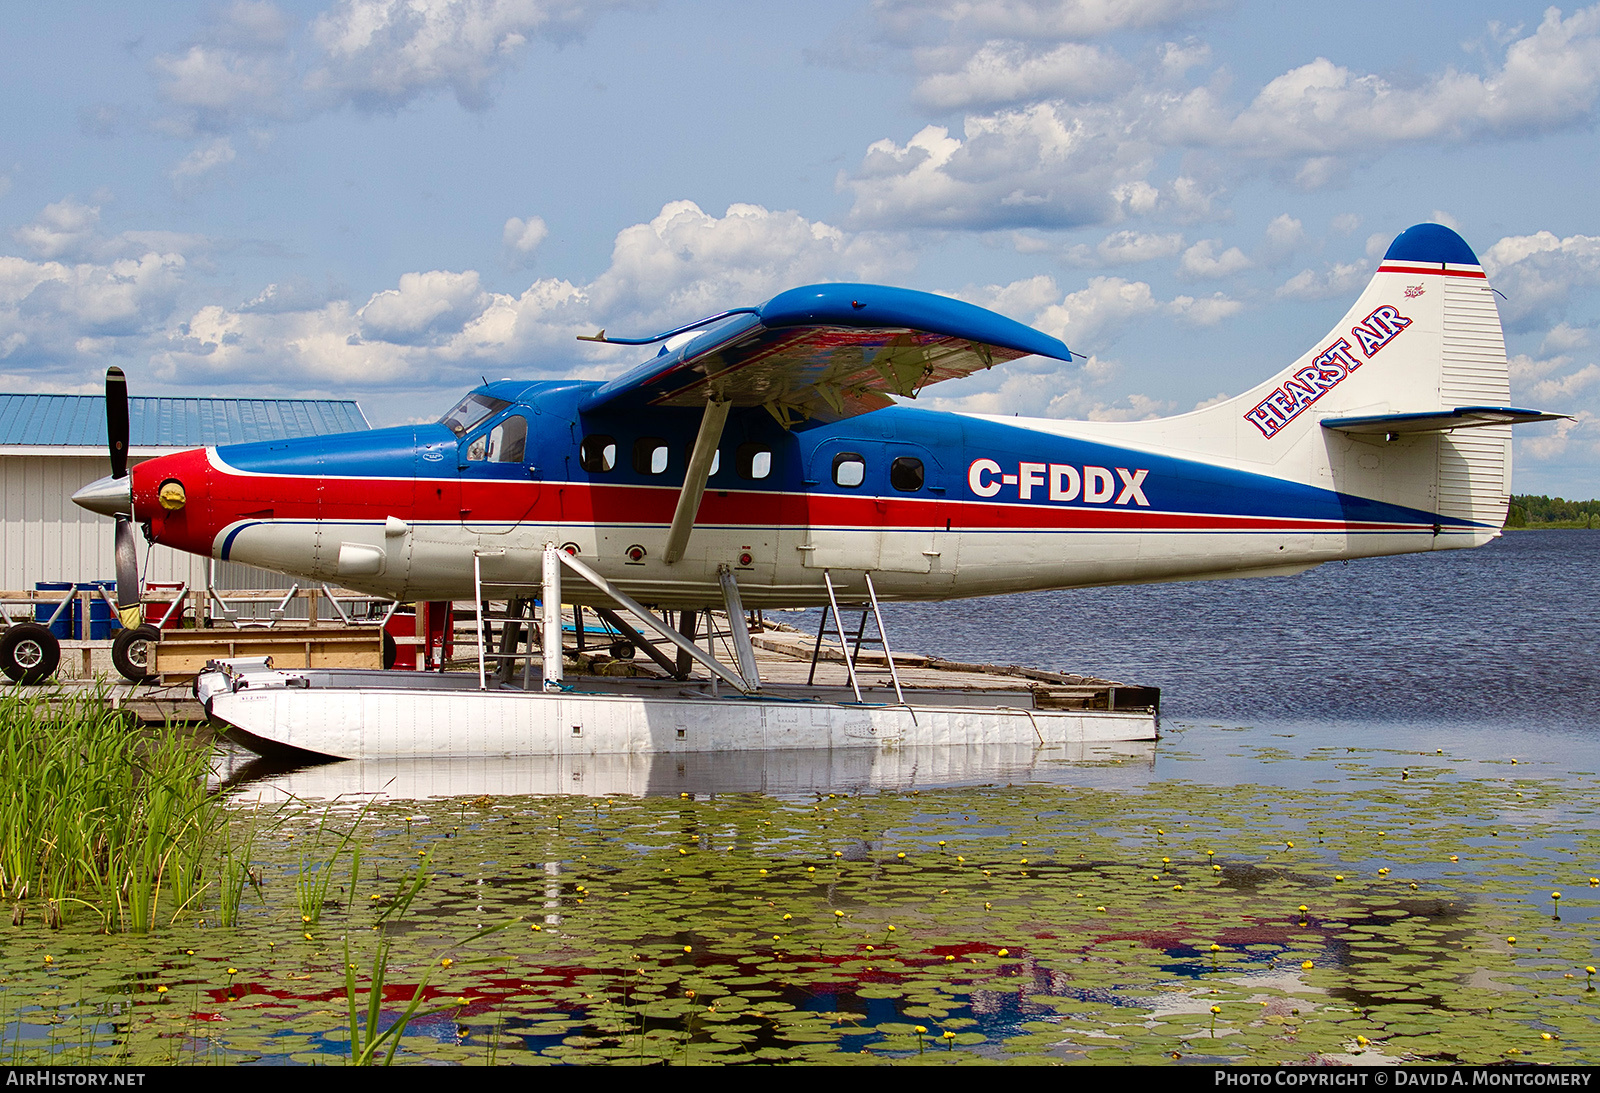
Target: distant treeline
point(1530, 510)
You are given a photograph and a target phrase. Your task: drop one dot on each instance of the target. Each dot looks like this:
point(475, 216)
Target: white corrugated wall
point(45, 537)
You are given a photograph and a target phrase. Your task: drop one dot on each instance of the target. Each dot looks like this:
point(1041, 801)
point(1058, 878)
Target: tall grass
point(316, 875)
point(95, 814)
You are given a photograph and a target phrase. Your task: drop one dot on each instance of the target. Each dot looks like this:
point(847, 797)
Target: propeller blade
point(129, 609)
point(117, 420)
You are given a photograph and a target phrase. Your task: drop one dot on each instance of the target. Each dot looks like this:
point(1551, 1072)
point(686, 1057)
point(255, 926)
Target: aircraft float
point(767, 456)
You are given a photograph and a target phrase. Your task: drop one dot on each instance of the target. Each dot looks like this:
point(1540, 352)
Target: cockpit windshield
point(471, 410)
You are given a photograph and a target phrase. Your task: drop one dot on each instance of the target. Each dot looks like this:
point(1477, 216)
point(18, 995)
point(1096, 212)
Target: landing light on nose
point(108, 496)
point(171, 495)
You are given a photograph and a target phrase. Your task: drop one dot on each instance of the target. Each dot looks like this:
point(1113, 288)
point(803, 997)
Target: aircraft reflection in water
point(1122, 764)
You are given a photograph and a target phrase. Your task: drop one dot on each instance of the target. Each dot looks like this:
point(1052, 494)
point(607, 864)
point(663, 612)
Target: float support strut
point(552, 616)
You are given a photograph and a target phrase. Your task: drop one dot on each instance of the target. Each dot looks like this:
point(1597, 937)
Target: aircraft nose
point(108, 496)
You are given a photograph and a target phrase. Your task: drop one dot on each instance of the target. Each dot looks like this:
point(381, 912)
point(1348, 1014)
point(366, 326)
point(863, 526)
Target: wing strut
point(554, 559)
point(694, 479)
point(742, 649)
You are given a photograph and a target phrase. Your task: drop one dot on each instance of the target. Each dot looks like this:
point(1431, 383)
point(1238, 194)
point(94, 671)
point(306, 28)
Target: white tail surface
point(1423, 337)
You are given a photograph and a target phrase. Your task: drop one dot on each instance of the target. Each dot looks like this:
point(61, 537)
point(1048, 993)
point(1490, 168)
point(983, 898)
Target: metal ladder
point(870, 608)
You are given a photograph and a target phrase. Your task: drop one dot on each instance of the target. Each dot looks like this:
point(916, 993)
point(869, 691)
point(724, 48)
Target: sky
point(390, 200)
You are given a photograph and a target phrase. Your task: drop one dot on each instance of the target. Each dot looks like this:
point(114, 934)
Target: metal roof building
point(60, 423)
point(53, 445)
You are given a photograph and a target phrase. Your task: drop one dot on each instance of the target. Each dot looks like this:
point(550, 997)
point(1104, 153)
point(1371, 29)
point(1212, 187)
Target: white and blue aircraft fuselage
point(767, 441)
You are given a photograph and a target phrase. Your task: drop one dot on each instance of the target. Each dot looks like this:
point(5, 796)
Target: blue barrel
point(64, 628)
point(103, 620)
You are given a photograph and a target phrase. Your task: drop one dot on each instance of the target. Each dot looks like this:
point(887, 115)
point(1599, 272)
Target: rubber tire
point(622, 650)
point(391, 649)
point(130, 652)
point(29, 653)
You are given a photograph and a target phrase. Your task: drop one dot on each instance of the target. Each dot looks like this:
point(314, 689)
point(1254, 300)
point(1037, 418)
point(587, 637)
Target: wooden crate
point(182, 654)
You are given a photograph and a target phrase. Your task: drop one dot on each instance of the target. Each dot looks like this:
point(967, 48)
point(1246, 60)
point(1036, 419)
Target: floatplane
point(764, 457)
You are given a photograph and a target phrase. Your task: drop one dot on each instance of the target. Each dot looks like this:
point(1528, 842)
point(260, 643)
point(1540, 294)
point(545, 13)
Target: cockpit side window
point(508, 440)
point(471, 410)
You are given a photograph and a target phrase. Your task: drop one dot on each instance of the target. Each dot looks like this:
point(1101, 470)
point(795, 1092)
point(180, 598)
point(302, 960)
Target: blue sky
point(387, 199)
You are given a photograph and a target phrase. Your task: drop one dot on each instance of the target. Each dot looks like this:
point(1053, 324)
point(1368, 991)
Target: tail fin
point(1422, 343)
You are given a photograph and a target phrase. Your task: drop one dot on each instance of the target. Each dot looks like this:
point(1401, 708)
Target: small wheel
point(131, 653)
point(29, 653)
point(391, 649)
point(622, 650)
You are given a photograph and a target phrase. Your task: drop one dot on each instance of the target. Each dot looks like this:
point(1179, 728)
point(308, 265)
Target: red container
point(158, 600)
point(441, 635)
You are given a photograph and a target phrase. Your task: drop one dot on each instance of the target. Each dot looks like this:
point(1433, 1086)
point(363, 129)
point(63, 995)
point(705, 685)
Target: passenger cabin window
point(905, 474)
point(716, 459)
point(597, 453)
point(471, 410)
point(849, 469)
point(753, 461)
point(650, 455)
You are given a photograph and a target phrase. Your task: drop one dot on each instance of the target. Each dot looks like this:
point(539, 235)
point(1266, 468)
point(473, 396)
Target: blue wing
point(828, 352)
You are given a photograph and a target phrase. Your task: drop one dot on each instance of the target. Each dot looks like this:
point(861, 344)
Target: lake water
point(1506, 633)
point(1343, 849)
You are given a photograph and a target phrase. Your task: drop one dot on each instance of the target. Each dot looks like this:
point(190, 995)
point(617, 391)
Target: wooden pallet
point(181, 654)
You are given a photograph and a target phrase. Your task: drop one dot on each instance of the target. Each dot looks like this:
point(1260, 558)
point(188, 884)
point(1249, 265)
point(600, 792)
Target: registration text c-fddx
point(1060, 482)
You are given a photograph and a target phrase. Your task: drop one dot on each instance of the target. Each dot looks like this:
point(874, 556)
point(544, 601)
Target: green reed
point(236, 871)
point(315, 877)
point(95, 814)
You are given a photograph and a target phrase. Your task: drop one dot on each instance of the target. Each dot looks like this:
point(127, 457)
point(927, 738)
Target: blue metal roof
point(80, 420)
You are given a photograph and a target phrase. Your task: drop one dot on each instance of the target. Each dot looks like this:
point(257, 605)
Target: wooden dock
point(783, 656)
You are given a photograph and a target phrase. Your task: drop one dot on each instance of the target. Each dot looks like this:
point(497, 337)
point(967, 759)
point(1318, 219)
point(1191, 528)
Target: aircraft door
point(844, 519)
point(917, 537)
point(498, 485)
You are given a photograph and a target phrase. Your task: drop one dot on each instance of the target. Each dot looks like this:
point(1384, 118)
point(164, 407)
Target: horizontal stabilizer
point(1436, 421)
point(827, 352)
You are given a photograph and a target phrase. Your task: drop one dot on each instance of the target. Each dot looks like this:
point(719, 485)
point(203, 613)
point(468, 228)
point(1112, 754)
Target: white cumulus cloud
point(522, 237)
point(1338, 279)
point(1538, 273)
point(425, 307)
point(1001, 73)
point(381, 54)
point(63, 228)
point(1203, 261)
point(203, 161)
point(1038, 150)
point(440, 327)
point(1127, 248)
point(1033, 19)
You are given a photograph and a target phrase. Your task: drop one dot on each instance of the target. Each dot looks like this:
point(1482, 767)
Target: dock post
point(552, 618)
point(686, 626)
point(477, 593)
